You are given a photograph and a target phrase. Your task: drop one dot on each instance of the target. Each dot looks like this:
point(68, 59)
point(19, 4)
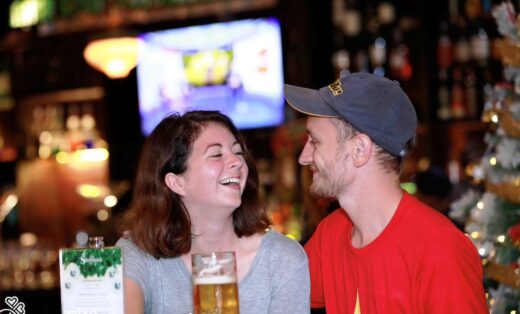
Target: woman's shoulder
point(131, 249)
point(282, 245)
point(126, 242)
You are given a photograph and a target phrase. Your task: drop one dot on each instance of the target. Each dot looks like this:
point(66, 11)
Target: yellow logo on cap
point(335, 88)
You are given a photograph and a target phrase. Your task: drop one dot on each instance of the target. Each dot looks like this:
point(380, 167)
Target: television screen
point(234, 67)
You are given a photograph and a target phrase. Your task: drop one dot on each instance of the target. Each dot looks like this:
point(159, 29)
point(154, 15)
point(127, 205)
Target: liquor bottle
point(444, 63)
point(399, 58)
point(88, 126)
point(444, 47)
point(444, 110)
point(348, 19)
point(386, 13)
point(458, 95)
point(462, 51)
point(453, 9)
point(351, 23)
point(361, 61)
point(472, 97)
point(73, 127)
point(341, 61)
point(378, 56)
point(479, 43)
point(473, 9)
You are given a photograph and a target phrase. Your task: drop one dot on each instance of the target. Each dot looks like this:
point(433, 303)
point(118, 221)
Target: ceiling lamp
point(115, 57)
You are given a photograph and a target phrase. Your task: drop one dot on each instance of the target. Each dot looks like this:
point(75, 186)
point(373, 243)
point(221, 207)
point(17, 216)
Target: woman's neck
point(213, 236)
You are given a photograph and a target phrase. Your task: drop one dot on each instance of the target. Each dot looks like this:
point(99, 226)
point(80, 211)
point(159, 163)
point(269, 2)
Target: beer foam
point(214, 280)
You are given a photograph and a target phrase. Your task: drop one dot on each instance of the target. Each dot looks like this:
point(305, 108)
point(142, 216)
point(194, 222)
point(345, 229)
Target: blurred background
point(82, 83)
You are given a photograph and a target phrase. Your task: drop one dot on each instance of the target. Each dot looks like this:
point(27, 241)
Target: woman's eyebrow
point(211, 146)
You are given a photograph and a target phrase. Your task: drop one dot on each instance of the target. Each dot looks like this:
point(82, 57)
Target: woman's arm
point(134, 300)
point(293, 295)
point(135, 276)
point(291, 283)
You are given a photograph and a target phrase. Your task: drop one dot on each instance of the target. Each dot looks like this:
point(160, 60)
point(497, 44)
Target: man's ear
point(175, 183)
point(363, 147)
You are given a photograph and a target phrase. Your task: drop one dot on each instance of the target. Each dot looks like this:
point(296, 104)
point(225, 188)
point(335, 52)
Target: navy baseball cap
point(374, 105)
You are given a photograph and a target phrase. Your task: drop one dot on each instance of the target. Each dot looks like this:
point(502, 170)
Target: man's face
point(326, 156)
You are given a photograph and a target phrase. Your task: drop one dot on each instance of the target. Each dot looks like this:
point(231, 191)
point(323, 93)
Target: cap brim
point(307, 101)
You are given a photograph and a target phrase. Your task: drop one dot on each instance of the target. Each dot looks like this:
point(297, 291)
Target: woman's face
point(216, 172)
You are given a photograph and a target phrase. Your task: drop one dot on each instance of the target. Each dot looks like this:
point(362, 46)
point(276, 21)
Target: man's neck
point(370, 210)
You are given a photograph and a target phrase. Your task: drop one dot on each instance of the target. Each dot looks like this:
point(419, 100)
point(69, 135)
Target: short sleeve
point(457, 259)
point(312, 248)
point(291, 286)
point(134, 263)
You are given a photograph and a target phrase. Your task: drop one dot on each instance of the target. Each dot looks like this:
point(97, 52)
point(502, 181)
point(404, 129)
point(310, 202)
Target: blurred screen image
point(234, 67)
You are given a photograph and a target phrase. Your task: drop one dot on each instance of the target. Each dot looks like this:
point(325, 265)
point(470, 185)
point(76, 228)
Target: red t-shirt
point(420, 263)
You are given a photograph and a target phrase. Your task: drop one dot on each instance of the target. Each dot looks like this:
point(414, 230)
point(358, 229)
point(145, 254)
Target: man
point(383, 251)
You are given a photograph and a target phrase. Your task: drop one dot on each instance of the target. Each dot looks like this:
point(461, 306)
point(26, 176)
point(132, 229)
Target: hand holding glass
point(215, 289)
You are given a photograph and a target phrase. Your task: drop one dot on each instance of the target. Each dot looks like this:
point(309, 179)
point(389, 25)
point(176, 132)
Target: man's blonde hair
point(389, 163)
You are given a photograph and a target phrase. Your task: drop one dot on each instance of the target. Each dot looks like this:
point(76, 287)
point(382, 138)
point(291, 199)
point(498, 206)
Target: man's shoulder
point(432, 229)
point(333, 225)
point(422, 216)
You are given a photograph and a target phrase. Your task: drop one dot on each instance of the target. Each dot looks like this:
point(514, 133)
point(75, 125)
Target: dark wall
point(4, 16)
point(123, 126)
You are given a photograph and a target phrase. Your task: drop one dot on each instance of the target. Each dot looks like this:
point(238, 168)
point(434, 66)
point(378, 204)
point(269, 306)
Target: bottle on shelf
point(399, 58)
point(444, 54)
point(378, 56)
point(444, 47)
point(472, 94)
point(444, 109)
point(458, 95)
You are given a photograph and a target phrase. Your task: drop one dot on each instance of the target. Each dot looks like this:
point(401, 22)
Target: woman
point(196, 190)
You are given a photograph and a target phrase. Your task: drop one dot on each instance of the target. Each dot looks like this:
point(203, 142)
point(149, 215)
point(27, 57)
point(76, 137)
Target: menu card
point(91, 281)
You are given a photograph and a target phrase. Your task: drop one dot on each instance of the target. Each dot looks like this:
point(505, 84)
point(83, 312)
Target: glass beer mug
point(215, 289)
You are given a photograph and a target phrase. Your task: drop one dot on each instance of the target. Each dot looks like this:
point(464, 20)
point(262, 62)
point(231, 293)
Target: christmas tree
point(491, 209)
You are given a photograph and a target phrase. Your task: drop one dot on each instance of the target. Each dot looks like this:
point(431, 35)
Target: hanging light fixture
point(114, 56)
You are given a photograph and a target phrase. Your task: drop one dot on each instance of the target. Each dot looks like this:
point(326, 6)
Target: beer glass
point(215, 289)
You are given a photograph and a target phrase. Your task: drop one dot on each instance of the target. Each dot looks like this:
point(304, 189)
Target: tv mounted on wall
point(235, 67)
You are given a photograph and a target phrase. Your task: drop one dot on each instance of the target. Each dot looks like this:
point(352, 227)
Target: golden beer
point(215, 295)
point(215, 289)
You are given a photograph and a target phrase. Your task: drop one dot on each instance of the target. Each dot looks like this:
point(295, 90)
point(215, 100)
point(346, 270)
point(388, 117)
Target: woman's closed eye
point(219, 155)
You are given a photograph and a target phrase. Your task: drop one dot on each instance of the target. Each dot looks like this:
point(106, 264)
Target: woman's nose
point(235, 161)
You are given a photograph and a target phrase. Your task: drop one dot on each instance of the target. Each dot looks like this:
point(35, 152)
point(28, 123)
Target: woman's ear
point(175, 183)
point(362, 149)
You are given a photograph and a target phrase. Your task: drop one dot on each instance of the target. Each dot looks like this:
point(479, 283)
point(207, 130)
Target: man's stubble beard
point(331, 181)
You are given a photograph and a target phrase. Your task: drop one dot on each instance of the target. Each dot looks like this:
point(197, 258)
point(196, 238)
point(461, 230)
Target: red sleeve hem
point(316, 305)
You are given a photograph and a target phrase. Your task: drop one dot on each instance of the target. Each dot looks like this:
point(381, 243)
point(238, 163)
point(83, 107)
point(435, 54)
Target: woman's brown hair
point(157, 220)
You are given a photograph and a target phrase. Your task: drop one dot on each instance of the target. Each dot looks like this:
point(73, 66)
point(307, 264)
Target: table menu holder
point(91, 279)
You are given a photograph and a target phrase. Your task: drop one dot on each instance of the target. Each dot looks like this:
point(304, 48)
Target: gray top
point(278, 281)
